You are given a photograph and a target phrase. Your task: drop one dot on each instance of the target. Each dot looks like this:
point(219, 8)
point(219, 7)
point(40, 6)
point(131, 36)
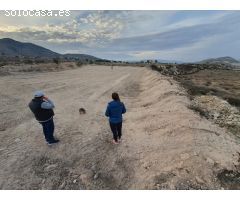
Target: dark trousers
point(48, 130)
point(116, 130)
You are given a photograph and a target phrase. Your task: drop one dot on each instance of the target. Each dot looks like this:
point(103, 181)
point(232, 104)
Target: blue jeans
point(48, 130)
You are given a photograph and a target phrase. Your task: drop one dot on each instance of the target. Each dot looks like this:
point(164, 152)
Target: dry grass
point(221, 83)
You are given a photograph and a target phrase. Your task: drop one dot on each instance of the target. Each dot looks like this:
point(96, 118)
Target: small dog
point(82, 111)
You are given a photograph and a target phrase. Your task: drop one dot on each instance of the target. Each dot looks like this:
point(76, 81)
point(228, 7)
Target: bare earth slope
point(165, 145)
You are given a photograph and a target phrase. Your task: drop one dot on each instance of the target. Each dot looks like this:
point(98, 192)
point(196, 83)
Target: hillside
point(10, 48)
point(226, 60)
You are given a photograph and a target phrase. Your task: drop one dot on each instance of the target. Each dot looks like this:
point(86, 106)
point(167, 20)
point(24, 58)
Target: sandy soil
point(165, 144)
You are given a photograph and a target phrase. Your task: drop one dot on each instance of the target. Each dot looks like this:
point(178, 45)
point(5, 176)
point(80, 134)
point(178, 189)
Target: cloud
point(187, 42)
point(92, 28)
point(133, 34)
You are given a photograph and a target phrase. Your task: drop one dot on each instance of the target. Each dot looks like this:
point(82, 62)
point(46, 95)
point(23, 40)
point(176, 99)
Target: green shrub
point(56, 60)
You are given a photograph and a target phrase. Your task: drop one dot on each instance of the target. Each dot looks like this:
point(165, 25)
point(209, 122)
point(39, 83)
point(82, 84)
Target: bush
point(28, 61)
point(56, 60)
point(39, 61)
point(154, 67)
point(233, 101)
point(3, 63)
point(79, 64)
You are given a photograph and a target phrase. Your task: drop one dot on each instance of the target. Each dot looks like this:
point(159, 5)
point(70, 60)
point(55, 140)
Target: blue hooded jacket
point(114, 111)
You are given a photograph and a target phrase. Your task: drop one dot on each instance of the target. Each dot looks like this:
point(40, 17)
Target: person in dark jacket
point(114, 111)
point(42, 108)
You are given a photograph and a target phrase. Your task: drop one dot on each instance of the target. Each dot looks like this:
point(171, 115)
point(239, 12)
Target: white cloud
point(188, 35)
point(94, 29)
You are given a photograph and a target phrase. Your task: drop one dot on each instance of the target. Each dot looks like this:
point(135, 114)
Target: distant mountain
point(11, 48)
point(224, 60)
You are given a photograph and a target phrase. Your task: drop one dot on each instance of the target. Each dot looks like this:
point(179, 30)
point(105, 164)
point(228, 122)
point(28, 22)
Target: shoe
point(53, 142)
point(114, 142)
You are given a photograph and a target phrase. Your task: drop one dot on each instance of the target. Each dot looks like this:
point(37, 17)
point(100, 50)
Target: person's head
point(38, 94)
point(115, 96)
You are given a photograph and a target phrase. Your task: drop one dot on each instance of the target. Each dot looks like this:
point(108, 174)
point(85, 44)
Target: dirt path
point(165, 144)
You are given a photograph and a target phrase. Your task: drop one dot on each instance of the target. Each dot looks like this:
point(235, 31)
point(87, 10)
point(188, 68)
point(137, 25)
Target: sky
point(132, 35)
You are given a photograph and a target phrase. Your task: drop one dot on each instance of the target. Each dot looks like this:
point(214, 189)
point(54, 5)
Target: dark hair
point(115, 96)
point(38, 97)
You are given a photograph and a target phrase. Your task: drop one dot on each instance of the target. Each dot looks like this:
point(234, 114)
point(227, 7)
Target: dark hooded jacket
point(40, 113)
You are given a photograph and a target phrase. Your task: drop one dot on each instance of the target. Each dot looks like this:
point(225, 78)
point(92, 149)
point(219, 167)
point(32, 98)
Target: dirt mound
point(218, 110)
point(188, 68)
point(177, 148)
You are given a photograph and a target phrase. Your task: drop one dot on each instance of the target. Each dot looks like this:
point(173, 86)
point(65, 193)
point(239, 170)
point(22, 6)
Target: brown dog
point(82, 111)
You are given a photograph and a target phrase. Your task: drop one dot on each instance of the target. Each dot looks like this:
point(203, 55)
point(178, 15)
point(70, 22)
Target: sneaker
point(114, 142)
point(53, 142)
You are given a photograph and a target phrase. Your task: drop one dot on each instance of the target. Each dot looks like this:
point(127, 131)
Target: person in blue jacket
point(114, 111)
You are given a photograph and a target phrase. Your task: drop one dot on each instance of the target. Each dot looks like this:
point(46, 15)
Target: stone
point(62, 186)
point(84, 178)
point(146, 165)
point(184, 156)
point(75, 180)
point(96, 176)
point(51, 167)
point(180, 164)
point(210, 161)
point(93, 168)
point(75, 176)
point(199, 180)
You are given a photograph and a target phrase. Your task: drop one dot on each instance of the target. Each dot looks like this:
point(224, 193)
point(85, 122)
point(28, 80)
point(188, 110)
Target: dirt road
point(165, 145)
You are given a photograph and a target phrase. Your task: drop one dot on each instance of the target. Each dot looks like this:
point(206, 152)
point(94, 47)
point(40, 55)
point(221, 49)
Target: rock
point(96, 176)
point(17, 140)
point(184, 156)
point(85, 178)
point(62, 186)
point(75, 176)
point(93, 168)
point(195, 153)
point(146, 165)
point(199, 180)
point(50, 167)
point(75, 180)
point(180, 164)
point(210, 161)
